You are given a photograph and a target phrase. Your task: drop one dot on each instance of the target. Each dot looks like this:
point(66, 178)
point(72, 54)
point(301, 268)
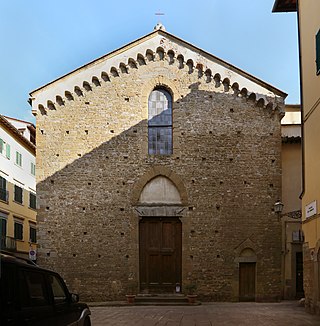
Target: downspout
point(301, 105)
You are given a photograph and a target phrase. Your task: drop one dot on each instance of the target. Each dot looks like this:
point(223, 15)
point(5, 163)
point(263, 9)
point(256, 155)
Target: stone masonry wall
point(92, 151)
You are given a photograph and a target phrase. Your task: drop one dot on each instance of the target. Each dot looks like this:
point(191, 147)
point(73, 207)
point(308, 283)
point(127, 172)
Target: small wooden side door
point(247, 281)
point(160, 254)
point(299, 276)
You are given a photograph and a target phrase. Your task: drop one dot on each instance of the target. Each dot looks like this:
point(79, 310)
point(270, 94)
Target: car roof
point(7, 257)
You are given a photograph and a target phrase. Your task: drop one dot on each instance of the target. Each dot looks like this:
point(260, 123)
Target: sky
point(44, 40)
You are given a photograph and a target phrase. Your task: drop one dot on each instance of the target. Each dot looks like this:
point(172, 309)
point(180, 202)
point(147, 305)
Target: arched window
point(160, 122)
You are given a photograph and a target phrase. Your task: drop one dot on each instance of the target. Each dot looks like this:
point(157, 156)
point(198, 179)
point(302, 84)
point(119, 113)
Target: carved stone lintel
point(151, 211)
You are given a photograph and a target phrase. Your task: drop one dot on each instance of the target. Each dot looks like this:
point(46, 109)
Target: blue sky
point(43, 40)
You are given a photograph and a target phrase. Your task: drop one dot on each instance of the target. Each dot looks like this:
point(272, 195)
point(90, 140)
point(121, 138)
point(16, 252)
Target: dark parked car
point(34, 296)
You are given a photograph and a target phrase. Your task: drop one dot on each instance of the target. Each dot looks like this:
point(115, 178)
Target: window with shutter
point(3, 231)
point(18, 230)
point(1, 146)
point(4, 148)
point(32, 200)
point(18, 193)
point(33, 168)
point(33, 233)
point(8, 151)
point(3, 189)
point(18, 158)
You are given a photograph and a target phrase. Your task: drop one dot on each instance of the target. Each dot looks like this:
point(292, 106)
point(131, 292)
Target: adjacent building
point(292, 234)
point(158, 167)
point(17, 185)
point(309, 46)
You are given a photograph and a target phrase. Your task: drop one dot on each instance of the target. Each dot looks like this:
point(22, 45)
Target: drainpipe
point(301, 104)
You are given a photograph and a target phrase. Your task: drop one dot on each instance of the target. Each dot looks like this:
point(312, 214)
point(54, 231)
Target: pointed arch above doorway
point(160, 192)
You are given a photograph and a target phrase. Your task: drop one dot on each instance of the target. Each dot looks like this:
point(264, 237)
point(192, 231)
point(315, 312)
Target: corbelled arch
point(216, 79)
point(154, 172)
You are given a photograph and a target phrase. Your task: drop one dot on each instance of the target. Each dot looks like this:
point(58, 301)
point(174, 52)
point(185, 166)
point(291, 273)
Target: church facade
point(158, 166)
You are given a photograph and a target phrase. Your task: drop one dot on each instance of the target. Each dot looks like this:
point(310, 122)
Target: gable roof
point(16, 134)
point(28, 123)
point(151, 42)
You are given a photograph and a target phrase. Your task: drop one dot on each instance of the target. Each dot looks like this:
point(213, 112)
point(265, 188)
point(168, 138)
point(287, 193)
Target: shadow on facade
point(226, 151)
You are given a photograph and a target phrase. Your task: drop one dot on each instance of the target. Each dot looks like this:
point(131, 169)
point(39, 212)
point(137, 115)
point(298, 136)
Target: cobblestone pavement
point(286, 313)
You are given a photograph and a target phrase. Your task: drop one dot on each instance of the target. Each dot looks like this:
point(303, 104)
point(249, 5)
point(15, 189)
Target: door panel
point(168, 270)
point(299, 275)
point(153, 271)
point(160, 254)
point(168, 238)
point(247, 281)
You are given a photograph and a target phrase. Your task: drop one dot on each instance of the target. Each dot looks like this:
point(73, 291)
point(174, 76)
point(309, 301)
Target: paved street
point(224, 314)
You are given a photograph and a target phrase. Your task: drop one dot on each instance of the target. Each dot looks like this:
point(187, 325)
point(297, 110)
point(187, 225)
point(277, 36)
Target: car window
point(7, 282)
point(58, 290)
point(33, 289)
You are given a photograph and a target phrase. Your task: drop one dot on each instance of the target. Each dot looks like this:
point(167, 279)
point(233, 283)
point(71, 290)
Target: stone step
point(162, 300)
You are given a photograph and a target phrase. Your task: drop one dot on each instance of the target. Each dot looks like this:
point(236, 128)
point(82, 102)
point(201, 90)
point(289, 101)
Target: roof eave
point(94, 61)
point(280, 6)
point(165, 33)
point(16, 133)
point(232, 67)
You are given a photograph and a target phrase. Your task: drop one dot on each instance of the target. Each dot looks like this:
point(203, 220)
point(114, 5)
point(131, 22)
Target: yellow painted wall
point(312, 156)
point(21, 211)
point(309, 26)
point(309, 20)
point(311, 230)
point(291, 177)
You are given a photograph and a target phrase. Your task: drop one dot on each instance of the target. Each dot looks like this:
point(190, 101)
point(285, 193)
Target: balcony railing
point(4, 195)
point(8, 243)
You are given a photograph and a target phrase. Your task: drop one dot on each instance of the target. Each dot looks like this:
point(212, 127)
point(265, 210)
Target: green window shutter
point(8, 151)
point(318, 52)
point(33, 234)
point(3, 183)
point(33, 168)
point(1, 145)
point(32, 200)
point(18, 159)
point(18, 194)
point(18, 231)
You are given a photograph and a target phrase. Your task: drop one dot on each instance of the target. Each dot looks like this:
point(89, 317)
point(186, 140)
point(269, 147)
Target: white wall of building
point(15, 174)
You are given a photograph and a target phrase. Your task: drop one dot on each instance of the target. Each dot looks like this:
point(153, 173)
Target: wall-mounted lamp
point(278, 206)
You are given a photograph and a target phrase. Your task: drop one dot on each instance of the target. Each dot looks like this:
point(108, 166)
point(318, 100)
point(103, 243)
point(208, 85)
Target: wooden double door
point(160, 254)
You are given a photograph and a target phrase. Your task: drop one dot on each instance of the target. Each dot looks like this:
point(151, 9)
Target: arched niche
point(160, 190)
point(247, 252)
point(160, 197)
point(247, 255)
